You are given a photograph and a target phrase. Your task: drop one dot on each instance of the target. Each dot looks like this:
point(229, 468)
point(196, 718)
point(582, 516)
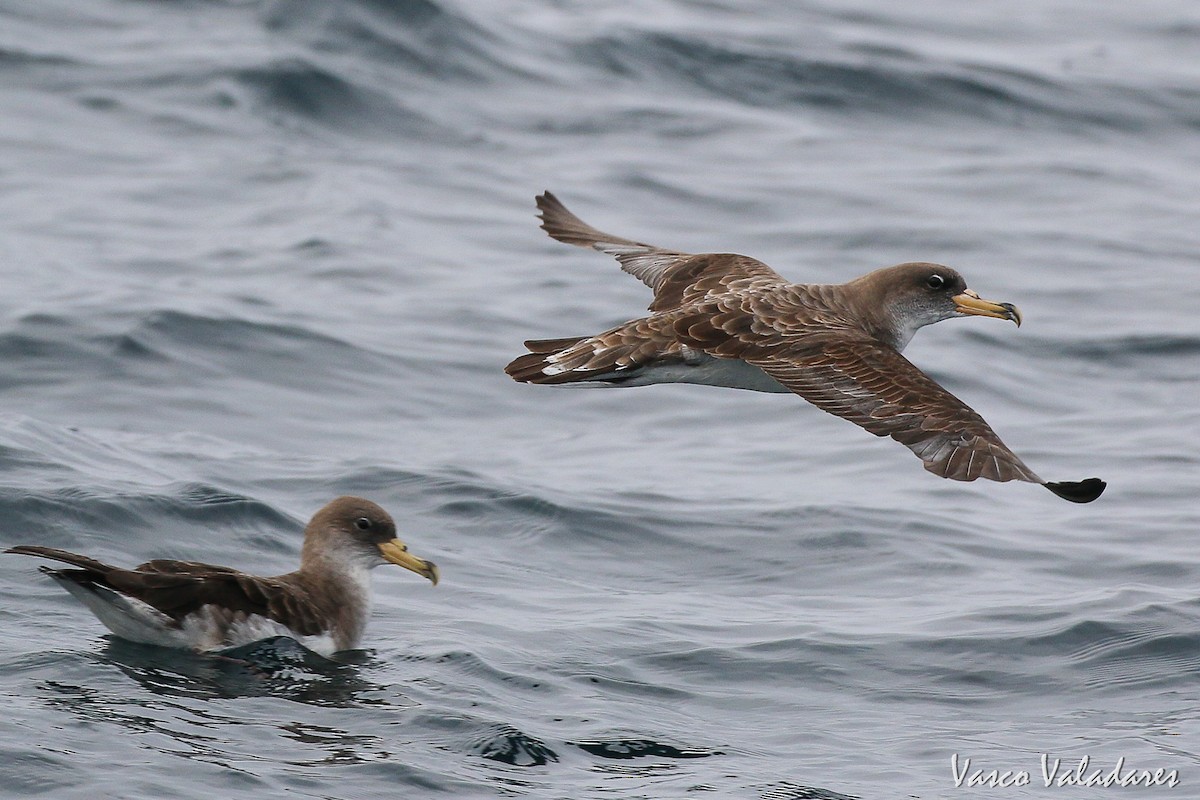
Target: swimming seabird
point(184, 604)
point(723, 319)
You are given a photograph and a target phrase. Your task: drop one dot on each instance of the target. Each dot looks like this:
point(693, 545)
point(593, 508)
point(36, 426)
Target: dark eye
point(363, 524)
point(935, 281)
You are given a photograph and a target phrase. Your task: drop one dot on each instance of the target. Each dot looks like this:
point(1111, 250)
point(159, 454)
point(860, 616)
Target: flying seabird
point(184, 604)
point(723, 319)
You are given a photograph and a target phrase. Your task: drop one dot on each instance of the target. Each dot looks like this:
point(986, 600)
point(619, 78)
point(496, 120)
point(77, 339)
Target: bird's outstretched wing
point(676, 278)
point(878, 389)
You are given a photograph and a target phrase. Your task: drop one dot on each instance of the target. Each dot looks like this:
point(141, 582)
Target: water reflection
point(277, 667)
point(208, 707)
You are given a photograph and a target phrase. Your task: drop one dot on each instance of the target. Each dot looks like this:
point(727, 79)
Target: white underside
point(204, 630)
point(729, 373)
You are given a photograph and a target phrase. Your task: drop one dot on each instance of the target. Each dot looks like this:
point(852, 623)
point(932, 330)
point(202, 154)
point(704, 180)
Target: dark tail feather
point(1084, 491)
point(53, 553)
point(528, 368)
point(552, 345)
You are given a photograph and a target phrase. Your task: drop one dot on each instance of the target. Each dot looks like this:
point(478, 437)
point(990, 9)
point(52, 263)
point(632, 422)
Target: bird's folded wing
point(179, 588)
point(169, 566)
point(85, 563)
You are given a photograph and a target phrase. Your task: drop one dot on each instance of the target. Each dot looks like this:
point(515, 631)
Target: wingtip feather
point(1084, 491)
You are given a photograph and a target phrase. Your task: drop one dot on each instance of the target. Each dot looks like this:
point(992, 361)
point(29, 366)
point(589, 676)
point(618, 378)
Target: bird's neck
point(877, 320)
point(343, 590)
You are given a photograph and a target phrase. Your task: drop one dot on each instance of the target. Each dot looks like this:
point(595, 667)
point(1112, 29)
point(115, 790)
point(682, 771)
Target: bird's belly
point(730, 373)
point(213, 628)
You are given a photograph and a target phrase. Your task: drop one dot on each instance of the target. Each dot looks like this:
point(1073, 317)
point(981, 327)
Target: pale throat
point(906, 322)
point(352, 602)
point(904, 330)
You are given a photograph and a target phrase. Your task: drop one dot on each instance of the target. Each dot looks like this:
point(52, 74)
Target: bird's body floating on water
point(729, 320)
point(185, 604)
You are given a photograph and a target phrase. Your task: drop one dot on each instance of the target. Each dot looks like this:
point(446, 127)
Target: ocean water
point(254, 255)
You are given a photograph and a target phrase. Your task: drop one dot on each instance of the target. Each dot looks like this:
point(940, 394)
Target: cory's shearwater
point(185, 604)
point(728, 320)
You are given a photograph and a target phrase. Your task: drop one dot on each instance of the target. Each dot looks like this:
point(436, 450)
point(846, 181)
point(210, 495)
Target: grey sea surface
point(256, 254)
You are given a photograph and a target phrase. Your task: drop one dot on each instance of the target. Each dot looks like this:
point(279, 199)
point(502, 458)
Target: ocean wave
point(794, 791)
point(1130, 348)
point(248, 347)
point(503, 742)
point(82, 513)
point(623, 749)
point(301, 89)
point(418, 38)
point(15, 58)
point(897, 83)
point(163, 351)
